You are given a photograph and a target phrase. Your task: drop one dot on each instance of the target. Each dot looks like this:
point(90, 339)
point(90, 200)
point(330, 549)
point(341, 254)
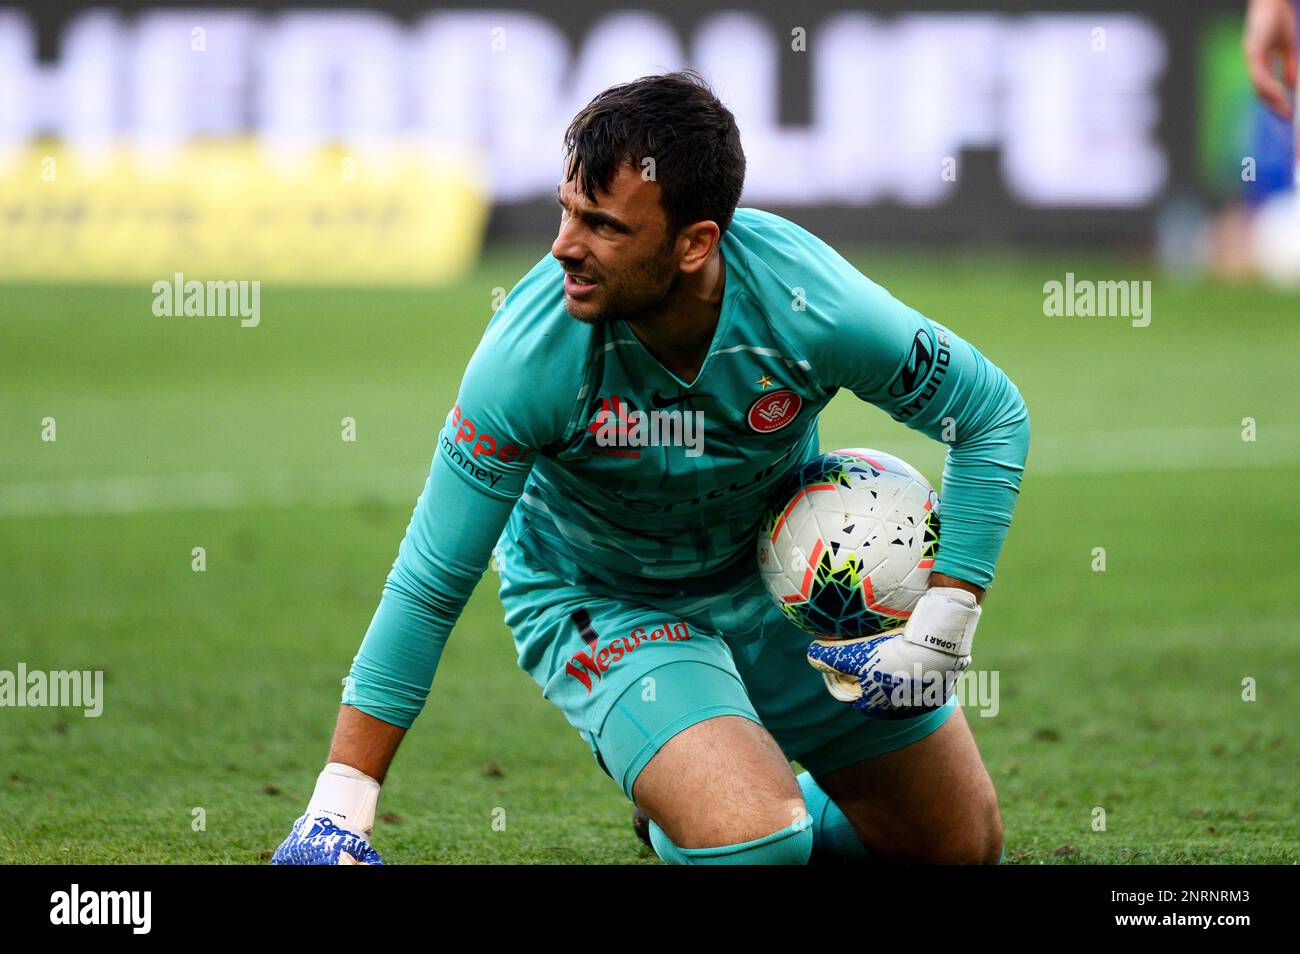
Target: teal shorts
point(630, 671)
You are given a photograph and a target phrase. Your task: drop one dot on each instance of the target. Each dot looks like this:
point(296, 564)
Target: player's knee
point(978, 841)
point(722, 781)
point(789, 845)
point(986, 843)
point(993, 841)
point(982, 845)
point(734, 824)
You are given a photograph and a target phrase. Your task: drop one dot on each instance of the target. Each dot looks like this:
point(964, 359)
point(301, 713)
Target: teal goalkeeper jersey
point(573, 440)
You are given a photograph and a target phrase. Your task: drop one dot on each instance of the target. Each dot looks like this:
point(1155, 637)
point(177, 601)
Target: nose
point(566, 247)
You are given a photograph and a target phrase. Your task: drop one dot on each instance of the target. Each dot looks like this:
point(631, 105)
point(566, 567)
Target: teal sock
point(790, 846)
point(833, 834)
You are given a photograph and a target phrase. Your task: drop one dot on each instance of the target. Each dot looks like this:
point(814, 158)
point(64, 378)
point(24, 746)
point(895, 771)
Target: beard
point(639, 295)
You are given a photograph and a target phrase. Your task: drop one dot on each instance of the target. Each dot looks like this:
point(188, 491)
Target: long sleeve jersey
point(543, 444)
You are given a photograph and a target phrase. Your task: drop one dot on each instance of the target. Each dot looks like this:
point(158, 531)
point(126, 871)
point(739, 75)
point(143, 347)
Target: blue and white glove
point(905, 672)
point(335, 828)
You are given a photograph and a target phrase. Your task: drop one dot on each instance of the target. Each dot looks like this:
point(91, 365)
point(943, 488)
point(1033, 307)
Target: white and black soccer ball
point(848, 550)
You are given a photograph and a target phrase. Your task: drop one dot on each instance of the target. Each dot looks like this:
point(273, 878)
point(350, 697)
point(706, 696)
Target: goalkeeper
point(627, 565)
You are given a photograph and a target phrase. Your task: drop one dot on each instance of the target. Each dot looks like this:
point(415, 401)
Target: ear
point(696, 243)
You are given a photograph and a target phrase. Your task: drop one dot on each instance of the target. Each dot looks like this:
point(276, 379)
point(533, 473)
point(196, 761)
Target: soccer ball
point(849, 551)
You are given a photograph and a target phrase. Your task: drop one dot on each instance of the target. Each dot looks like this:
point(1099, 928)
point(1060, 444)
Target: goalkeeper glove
point(905, 672)
point(335, 828)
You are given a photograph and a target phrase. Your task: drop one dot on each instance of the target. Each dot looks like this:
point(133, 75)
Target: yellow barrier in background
point(234, 210)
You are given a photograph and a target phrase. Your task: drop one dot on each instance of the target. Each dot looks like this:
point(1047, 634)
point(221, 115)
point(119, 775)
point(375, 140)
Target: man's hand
point(316, 840)
point(1270, 35)
point(335, 828)
point(905, 672)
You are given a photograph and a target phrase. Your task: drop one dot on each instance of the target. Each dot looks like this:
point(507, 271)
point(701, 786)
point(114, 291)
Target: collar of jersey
point(719, 331)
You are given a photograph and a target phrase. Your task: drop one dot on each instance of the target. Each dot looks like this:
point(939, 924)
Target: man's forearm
point(364, 742)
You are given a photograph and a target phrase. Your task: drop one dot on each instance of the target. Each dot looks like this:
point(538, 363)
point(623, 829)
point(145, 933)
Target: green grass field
point(1119, 690)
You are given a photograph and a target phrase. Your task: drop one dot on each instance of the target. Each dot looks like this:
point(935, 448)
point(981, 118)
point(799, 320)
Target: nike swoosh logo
point(658, 400)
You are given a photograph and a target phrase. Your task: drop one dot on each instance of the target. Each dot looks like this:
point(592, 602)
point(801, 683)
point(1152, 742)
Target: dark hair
point(674, 119)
